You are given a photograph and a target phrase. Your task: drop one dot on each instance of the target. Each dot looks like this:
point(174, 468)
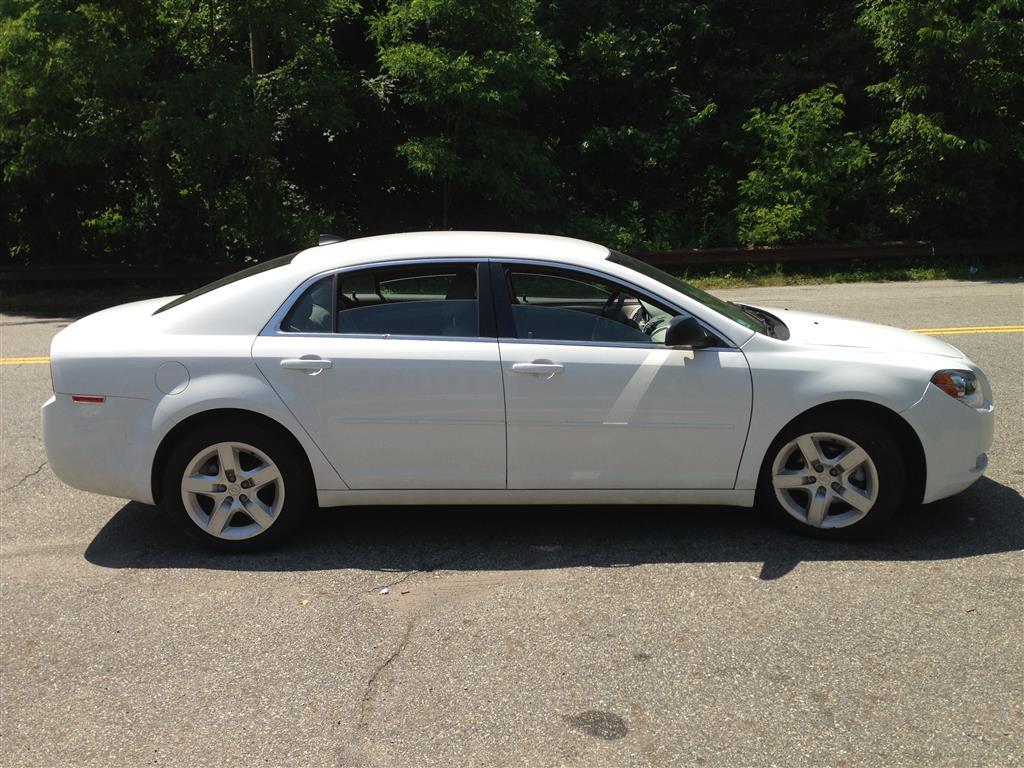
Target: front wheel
point(236, 487)
point(834, 477)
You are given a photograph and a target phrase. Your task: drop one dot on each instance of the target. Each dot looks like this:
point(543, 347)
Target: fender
point(246, 391)
point(789, 380)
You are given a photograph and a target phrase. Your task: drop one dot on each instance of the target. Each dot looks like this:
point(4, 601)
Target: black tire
point(884, 452)
point(298, 491)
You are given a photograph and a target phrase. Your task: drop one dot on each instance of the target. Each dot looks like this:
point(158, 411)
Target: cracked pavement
point(521, 636)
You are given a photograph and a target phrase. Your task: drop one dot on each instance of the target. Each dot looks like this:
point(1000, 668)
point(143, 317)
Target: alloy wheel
point(232, 490)
point(825, 480)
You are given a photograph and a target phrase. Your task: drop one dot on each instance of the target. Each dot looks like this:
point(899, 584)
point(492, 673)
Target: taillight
point(88, 399)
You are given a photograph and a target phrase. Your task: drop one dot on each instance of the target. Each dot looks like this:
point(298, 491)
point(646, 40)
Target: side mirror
point(686, 332)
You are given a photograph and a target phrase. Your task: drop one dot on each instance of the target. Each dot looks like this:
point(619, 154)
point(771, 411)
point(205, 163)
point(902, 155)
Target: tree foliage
point(807, 171)
point(188, 130)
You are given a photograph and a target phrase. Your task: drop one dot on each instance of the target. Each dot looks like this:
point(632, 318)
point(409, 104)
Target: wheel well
point(909, 443)
point(205, 418)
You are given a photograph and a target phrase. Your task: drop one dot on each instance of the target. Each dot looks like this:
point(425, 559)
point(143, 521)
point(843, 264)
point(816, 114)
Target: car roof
point(432, 245)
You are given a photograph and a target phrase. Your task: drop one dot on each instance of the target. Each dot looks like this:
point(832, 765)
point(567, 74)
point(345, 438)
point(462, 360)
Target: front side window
point(417, 300)
point(564, 305)
point(732, 311)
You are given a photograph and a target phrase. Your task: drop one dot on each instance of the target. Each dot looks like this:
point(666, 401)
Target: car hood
point(824, 330)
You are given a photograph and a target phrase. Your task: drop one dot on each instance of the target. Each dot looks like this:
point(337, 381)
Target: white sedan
point(489, 368)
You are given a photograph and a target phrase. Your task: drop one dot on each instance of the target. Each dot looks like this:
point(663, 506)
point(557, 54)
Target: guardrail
point(127, 273)
point(905, 249)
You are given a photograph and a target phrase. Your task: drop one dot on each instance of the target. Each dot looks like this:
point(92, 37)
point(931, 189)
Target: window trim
point(506, 325)
point(486, 326)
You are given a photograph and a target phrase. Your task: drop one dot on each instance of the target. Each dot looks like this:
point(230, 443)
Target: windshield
point(263, 266)
point(731, 311)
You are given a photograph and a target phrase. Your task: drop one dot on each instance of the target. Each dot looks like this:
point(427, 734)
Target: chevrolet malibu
point(490, 368)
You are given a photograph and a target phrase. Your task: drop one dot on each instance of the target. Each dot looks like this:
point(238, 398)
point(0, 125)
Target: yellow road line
point(23, 360)
point(926, 331)
point(1008, 328)
point(958, 331)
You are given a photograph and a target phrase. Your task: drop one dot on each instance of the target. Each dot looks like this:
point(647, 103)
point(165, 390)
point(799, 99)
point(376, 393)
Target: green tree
point(158, 128)
point(806, 167)
point(953, 119)
point(466, 73)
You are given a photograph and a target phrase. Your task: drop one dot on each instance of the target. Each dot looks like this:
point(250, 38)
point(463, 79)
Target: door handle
point(306, 363)
point(539, 368)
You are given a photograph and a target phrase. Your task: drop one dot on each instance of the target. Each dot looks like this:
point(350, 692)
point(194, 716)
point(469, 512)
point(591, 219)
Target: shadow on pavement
point(987, 518)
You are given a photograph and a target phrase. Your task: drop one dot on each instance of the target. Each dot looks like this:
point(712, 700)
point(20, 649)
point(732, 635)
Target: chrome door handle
point(306, 363)
point(538, 368)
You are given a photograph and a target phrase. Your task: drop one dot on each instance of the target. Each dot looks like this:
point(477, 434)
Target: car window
point(564, 305)
point(312, 312)
point(420, 300)
point(733, 311)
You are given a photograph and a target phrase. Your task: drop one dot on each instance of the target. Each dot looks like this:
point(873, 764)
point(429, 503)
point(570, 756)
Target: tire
point(841, 501)
point(235, 486)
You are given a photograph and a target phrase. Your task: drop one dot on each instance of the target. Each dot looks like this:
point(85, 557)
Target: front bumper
point(955, 439)
point(101, 448)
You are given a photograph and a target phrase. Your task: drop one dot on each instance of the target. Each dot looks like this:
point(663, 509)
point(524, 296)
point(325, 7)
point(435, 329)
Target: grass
point(853, 271)
point(69, 301)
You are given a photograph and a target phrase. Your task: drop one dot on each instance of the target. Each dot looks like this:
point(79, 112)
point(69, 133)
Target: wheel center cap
point(234, 489)
point(823, 479)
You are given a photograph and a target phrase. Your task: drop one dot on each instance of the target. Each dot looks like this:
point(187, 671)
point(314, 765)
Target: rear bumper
point(955, 439)
point(101, 448)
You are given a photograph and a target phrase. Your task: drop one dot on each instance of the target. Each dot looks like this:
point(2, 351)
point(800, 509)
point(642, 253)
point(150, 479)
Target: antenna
point(328, 239)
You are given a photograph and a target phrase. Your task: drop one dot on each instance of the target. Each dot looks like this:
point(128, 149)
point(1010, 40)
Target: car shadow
point(985, 519)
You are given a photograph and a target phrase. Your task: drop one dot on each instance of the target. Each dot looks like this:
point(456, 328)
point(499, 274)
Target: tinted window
point(312, 312)
point(264, 266)
point(731, 311)
point(563, 305)
point(423, 300)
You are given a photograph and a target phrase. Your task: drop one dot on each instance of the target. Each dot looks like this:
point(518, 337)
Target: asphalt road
point(516, 636)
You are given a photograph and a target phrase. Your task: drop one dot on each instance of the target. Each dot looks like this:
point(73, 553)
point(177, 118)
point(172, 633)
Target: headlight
point(963, 385)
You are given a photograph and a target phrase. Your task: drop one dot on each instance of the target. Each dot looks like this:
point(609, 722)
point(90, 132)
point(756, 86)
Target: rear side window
point(312, 313)
point(424, 300)
point(418, 300)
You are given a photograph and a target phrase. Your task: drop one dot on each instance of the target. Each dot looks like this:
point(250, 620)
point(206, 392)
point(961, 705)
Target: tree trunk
point(257, 48)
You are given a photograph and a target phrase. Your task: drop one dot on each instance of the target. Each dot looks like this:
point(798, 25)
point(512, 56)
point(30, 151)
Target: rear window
point(264, 266)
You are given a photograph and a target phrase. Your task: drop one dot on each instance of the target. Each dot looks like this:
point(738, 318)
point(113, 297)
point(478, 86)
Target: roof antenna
point(328, 239)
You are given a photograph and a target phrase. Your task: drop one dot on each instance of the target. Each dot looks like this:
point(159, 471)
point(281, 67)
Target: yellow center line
point(926, 331)
point(970, 330)
point(23, 360)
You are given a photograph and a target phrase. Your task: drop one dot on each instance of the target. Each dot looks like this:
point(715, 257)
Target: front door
point(593, 400)
point(387, 370)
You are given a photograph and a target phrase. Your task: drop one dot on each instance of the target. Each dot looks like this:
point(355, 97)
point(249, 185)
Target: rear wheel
point(237, 487)
point(833, 476)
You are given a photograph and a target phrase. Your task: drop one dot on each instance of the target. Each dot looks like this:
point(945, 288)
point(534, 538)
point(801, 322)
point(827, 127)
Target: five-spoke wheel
point(834, 475)
point(232, 490)
point(825, 480)
point(237, 485)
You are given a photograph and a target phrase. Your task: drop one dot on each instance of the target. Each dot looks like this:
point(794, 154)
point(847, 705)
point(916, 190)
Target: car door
point(594, 400)
point(394, 372)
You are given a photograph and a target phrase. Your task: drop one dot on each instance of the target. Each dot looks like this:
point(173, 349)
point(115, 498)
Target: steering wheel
point(650, 326)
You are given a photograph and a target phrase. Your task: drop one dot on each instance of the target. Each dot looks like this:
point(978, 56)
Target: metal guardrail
point(906, 249)
point(178, 274)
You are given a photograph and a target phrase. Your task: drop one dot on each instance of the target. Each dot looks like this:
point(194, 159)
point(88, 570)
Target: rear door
point(394, 372)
